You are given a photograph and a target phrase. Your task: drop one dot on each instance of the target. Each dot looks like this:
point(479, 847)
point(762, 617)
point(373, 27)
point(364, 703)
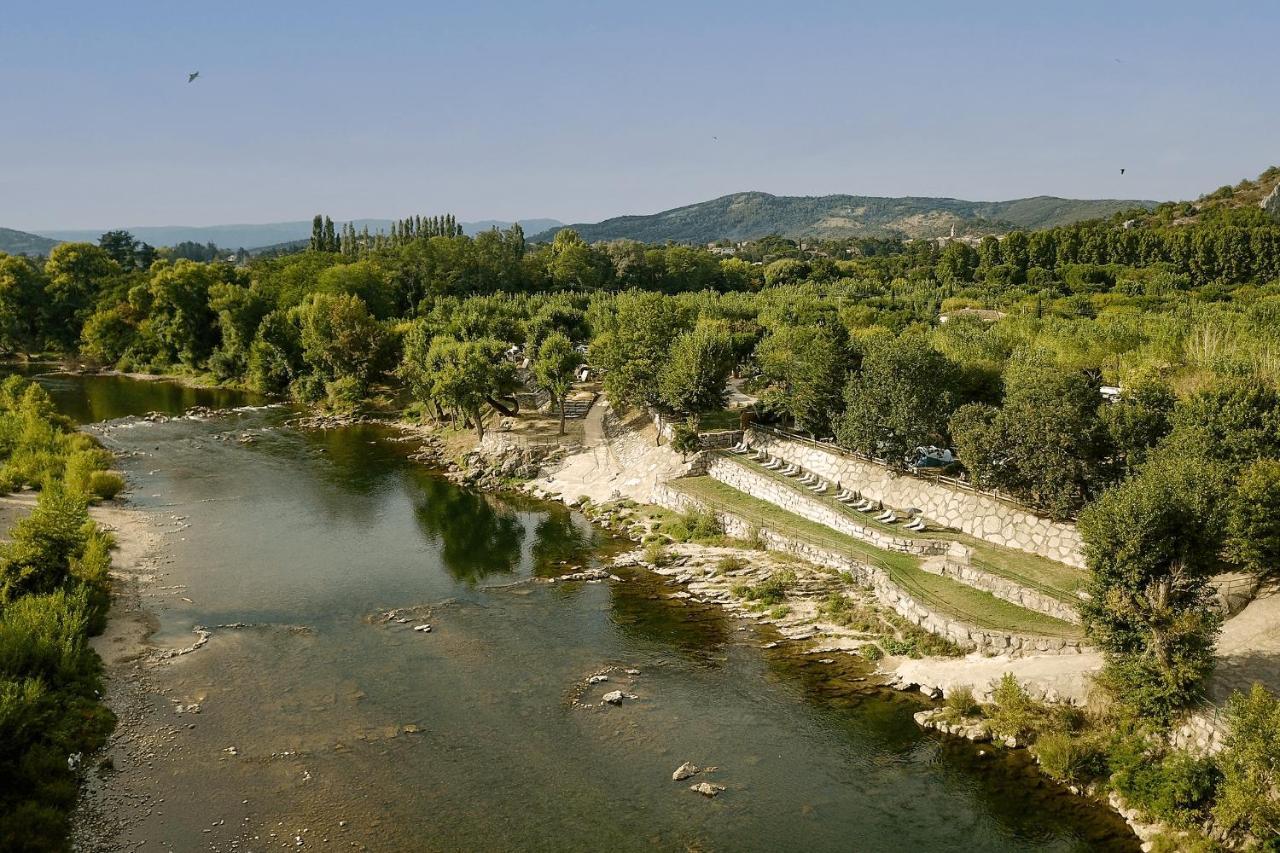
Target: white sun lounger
point(790, 471)
point(821, 488)
point(890, 518)
point(808, 479)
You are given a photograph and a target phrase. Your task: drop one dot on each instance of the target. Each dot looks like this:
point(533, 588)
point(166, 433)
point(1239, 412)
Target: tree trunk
point(510, 411)
point(562, 415)
point(477, 418)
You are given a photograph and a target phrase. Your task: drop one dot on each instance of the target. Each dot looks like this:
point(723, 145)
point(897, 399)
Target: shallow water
point(306, 540)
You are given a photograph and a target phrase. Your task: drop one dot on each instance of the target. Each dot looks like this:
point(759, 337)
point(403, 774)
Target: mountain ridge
point(748, 215)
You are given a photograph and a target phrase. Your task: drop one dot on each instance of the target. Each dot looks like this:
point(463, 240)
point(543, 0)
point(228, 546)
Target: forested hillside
point(21, 243)
point(746, 216)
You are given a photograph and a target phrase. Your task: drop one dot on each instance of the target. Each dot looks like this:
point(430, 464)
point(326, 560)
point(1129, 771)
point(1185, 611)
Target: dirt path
point(1249, 649)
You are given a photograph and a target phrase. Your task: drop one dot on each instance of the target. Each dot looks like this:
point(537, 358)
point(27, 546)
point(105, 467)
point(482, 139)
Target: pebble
point(423, 629)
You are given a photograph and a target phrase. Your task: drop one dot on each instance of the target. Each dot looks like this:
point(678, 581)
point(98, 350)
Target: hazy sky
point(583, 110)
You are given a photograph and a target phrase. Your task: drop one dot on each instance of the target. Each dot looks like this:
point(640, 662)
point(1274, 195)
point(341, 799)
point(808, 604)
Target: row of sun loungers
point(819, 486)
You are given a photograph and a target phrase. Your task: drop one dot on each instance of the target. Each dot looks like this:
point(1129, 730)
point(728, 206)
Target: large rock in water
point(1271, 204)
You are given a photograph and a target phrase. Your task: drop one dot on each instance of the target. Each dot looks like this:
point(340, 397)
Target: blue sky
point(582, 110)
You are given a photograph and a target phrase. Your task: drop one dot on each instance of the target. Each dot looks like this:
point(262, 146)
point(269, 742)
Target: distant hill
point(262, 235)
point(21, 243)
point(745, 216)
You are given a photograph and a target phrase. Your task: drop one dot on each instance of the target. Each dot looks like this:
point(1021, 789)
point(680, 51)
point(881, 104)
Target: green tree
point(553, 368)
point(693, 378)
point(1253, 522)
point(1151, 545)
point(808, 366)
point(341, 343)
point(900, 399)
point(176, 303)
point(1045, 445)
point(21, 286)
point(74, 273)
point(1237, 420)
point(1248, 797)
point(1138, 421)
point(460, 377)
point(122, 247)
point(631, 345)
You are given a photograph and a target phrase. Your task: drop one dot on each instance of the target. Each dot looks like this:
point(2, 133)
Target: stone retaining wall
point(1004, 588)
point(766, 488)
point(888, 593)
point(979, 515)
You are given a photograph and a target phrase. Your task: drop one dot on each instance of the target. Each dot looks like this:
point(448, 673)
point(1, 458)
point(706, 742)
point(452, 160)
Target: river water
point(323, 724)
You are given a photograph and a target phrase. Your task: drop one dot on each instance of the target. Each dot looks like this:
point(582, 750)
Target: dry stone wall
point(966, 636)
point(1006, 589)
point(979, 515)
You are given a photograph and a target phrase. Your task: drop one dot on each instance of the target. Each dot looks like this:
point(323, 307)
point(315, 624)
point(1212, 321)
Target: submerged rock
point(614, 697)
point(706, 789)
point(422, 629)
point(597, 679)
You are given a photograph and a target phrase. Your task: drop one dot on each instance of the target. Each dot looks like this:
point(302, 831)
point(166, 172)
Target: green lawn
point(1030, 570)
point(965, 603)
point(720, 419)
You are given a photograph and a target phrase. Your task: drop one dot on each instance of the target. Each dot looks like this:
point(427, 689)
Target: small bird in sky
point(192, 76)
point(1122, 171)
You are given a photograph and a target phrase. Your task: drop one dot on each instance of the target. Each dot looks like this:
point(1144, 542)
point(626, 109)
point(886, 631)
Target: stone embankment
point(980, 515)
point(887, 592)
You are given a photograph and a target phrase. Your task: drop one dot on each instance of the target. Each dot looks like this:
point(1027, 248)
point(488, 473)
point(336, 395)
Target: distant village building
point(986, 315)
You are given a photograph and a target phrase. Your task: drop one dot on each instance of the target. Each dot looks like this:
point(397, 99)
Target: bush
point(731, 563)
point(1014, 713)
point(696, 525)
point(656, 554)
point(960, 702)
point(1174, 787)
point(1071, 759)
point(105, 485)
point(1249, 796)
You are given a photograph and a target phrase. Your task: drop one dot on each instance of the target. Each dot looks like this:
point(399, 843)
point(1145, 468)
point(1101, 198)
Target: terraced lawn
point(965, 603)
point(1030, 570)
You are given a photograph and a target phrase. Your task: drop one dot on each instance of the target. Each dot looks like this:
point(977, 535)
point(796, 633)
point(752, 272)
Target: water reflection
point(478, 536)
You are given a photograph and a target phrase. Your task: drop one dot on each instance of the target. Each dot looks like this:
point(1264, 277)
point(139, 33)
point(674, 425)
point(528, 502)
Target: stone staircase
point(578, 403)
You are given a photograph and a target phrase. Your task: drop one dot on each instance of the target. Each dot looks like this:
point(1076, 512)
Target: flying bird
point(1122, 171)
point(192, 76)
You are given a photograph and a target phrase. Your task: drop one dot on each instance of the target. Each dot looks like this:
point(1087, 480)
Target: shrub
point(656, 554)
point(780, 611)
point(731, 563)
point(1249, 796)
point(1174, 787)
point(1014, 713)
point(696, 525)
point(961, 702)
point(1073, 760)
point(105, 485)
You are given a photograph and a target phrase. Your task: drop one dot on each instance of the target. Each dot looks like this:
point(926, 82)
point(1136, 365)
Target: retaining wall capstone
point(979, 515)
point(966, 636)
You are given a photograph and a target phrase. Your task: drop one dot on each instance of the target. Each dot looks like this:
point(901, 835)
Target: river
point(324, 723)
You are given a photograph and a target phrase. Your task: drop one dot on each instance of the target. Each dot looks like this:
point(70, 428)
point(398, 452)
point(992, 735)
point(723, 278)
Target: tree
point(75, 273)
point(1253, 522)
point(957, 262)
point(122, 247)
point(20, 295)
point(341, 343)
point(631, 345)
point(693, 378)
point(1138, 421)
point(1151, 545)
point(1248, 798)
point(457, 376)
point(1045, 445)
point(899, 400)
point(553, 368)
point(809, 366)
point(176, 304)
point(1237, 420)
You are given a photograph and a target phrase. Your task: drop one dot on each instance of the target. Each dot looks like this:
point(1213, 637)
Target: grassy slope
point(1054, 578)
point(965, 603)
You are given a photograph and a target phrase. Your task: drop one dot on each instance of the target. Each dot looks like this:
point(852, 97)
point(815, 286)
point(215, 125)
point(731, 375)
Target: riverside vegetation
point(54, 594)
point(1179, 307)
